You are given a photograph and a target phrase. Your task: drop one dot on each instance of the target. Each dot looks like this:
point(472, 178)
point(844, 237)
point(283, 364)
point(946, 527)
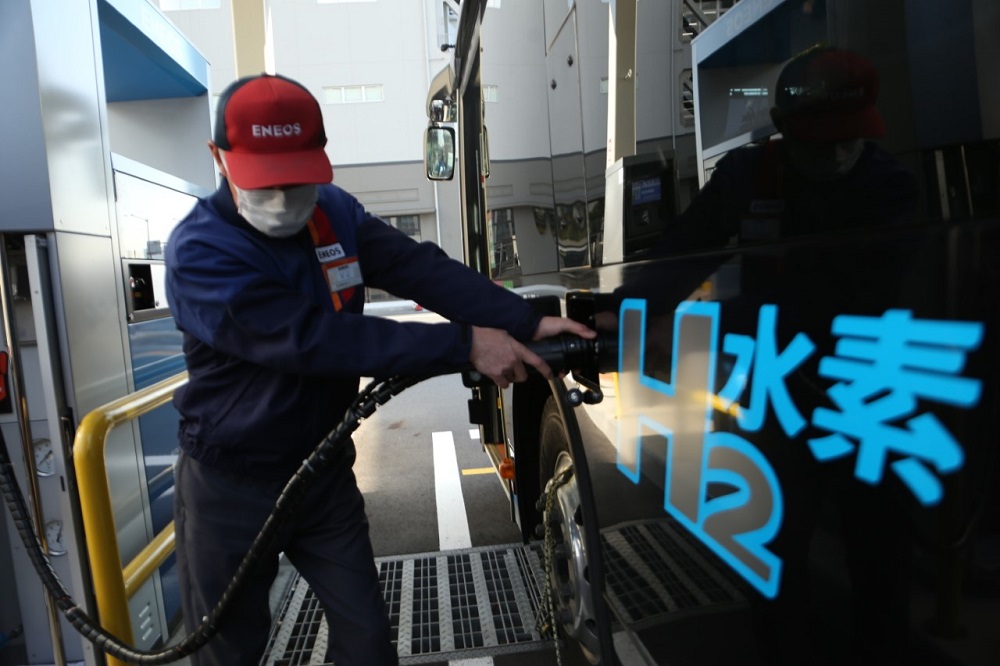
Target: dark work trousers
point(217, 515)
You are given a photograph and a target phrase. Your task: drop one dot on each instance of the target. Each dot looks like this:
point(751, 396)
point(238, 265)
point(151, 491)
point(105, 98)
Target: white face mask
point(278, 213)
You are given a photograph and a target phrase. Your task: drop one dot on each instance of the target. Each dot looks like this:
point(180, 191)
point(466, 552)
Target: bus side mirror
point(439, 152)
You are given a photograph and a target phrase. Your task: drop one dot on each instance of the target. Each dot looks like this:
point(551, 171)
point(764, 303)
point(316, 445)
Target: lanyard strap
point(324, 236)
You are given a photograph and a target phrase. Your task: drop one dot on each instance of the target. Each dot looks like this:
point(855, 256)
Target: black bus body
point(794, 459)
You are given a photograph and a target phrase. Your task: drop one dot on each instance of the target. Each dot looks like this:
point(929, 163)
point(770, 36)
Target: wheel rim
point(569, 577)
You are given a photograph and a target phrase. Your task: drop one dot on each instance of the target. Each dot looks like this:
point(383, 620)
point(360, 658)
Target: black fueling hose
point(375, 394)
point(560, 353)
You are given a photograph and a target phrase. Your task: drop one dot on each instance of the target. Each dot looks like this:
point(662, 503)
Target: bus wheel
point(568, 572)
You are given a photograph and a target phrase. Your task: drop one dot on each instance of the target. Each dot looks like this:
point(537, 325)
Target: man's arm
point(499, 318)
point(230, 304)
point(502, 358)
point(422, 272)
point(224, 299)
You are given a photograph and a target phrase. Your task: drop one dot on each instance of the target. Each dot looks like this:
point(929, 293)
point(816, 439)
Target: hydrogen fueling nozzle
point(570, 353)
point(584, 359)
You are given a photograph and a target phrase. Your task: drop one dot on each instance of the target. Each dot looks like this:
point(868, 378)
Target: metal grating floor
point(657, 569)
point(463, 604)
point(483, 601)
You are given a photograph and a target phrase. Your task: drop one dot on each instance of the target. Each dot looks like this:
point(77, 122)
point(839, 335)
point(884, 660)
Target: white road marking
point(473, 433)
point(453, 523)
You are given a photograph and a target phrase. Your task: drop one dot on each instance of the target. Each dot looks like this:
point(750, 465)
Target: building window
point(491, 94)
point(687, 99)
point(696, 15)
point(179, 5)
point(353, 94)
point(408, 224)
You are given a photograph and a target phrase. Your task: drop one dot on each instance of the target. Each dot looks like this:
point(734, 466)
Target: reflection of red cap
point(829, 94)
point(272, 131)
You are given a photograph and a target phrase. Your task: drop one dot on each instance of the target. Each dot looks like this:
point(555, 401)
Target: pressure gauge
point(54, 538)
point(45, 458)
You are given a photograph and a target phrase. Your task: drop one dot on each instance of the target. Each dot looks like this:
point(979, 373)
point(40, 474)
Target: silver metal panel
point(170, 180)
point(76, 311)
point(58, 493)
point(148, 624)
point(68, 298)
point(177, 145)
point(91, 308)
point(24, 186)
point(43, 373)
point(93, 318)
point(91, 323)
point(71, 96)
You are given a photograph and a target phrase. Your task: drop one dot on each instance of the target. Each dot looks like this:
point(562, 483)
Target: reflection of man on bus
point(822, 175)
point(266, 279)
point(824, 178)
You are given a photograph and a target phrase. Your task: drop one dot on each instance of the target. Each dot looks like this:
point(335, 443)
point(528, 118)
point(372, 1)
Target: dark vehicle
point(786, 453)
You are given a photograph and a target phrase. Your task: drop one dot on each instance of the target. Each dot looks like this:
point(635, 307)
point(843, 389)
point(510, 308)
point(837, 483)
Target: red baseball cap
point(272, 131)
point(828, 94)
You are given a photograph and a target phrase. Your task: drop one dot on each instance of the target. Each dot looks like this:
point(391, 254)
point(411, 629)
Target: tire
point(569, 577)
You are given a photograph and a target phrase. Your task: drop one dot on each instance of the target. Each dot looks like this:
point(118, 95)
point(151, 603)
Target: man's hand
point(552, 326)
point(501, 358)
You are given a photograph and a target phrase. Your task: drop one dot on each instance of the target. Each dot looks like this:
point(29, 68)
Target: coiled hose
point(561, 352)
point(373, 395)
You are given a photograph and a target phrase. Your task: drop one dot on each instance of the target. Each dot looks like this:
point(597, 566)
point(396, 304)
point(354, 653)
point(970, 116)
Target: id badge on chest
point(343, 274)
point(341, 270)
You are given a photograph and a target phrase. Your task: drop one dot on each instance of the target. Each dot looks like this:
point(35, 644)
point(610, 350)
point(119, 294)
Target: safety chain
point(546, 621)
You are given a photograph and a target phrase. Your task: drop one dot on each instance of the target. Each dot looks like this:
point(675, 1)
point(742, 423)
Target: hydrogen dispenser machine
point(103, 128)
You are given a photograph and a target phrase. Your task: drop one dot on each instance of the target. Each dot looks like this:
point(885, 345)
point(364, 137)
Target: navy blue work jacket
point(272, 364)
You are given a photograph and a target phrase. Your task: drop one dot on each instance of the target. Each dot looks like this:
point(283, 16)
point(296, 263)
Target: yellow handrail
point(112, 585)
point(148, 560)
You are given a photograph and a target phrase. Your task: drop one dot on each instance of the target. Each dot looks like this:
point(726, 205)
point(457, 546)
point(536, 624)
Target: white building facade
point(369, 63)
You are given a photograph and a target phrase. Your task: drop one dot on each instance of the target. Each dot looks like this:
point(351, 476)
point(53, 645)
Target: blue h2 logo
point(737, 525)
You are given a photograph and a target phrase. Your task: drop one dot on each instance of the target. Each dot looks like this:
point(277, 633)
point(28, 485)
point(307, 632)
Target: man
point(266, 279)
